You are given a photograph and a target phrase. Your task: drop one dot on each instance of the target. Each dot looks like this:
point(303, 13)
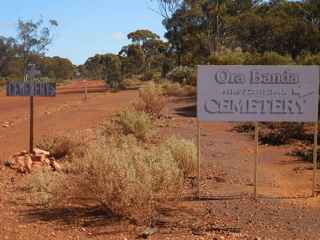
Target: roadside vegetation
point(119, 169)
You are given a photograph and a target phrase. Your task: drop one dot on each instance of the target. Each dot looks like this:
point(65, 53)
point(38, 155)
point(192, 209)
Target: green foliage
point(272, 58)
point(113, 71)
point(229, 58)
point(183, 75)
point(138, 124)
point(309, 59)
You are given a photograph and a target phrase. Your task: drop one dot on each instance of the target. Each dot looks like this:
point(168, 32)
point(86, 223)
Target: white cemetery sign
point(258, 93)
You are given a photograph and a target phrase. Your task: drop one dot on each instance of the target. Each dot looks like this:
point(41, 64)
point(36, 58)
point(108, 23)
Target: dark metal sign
point(32, 88)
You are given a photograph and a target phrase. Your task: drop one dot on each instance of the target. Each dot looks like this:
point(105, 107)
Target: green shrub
point(309, 59)
point(183, 75)
point(228, 58)
point(113, 71)
point(270, 58)
point(136, 123)
point(184, 153)
point(151, 100)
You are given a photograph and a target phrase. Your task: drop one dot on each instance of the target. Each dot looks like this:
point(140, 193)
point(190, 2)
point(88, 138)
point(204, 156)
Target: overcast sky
point(86, 27)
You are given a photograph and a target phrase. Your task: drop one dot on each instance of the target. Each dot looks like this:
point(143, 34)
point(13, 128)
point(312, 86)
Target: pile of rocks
point(25, 162)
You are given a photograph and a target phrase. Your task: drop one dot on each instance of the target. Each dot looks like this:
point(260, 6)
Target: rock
point(5, 125)
point(20, 164)
point(56, 166)
point(36, 158)
point(39, 152)
point(28, 163)
point(148, 232)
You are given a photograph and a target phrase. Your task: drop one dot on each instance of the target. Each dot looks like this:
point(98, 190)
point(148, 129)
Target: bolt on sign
point(31, 88)
point(258, 93)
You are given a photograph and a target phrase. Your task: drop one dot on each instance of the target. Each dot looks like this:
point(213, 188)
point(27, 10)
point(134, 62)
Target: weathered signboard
point(258, 93)
point(32, 88)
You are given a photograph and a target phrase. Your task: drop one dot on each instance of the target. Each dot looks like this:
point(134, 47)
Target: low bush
point(245, 127)
point(305, 153)
point(47, 187)
point(120, 176)
point(184, 153)
point(229, 58)
point(309, 59)
point(281, 133)
point(183, 75)
point(178, 90)
point(62, 146)
point(151, 100)
point(138, 124)
point(270, 58)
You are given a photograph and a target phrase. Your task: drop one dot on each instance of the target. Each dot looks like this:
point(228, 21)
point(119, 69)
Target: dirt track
point(283, 211)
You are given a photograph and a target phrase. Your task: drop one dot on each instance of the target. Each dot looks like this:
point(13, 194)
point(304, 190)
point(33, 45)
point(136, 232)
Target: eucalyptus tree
point(33, 38)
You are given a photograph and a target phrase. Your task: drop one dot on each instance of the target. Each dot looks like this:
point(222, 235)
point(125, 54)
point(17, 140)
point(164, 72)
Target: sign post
point(31, 89)
point(259, 94)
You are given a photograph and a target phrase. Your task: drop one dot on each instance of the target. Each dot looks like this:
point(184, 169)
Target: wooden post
point(256, 158)
point(315, 159)
point(198, 158)
point(85, 90)
point(31, 124)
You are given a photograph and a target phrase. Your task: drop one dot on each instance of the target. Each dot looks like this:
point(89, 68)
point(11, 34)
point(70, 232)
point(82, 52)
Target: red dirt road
point(57, 115)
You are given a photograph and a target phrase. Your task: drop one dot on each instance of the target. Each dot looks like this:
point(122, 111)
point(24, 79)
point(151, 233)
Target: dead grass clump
point(151, 100)
point(184, 153)
point(61, 147)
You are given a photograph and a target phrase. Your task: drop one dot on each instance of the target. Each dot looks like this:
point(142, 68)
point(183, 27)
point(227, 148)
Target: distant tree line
point(30, 46)
point(219, 32)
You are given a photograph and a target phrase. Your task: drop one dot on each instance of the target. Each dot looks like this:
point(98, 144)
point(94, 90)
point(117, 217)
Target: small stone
point(56, 166)
point(148, 232)
point(28, 163)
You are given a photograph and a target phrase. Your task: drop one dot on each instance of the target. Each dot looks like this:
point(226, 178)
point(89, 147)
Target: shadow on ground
point(86, 217)
point(187, 111)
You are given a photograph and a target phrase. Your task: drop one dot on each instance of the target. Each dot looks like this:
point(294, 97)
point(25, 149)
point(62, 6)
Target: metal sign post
point(256, 158)
point(315, 159)
point(198, 158)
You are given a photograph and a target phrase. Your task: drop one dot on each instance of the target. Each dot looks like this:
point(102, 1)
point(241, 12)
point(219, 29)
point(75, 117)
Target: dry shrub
point(151, 100)
point(178, 90)
point(119, 174)
point(281, 133)
point(138, 124)
point(305, 153)
point(47, 187)
point(62, 146)
point(184, 153)
point(245, 127)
